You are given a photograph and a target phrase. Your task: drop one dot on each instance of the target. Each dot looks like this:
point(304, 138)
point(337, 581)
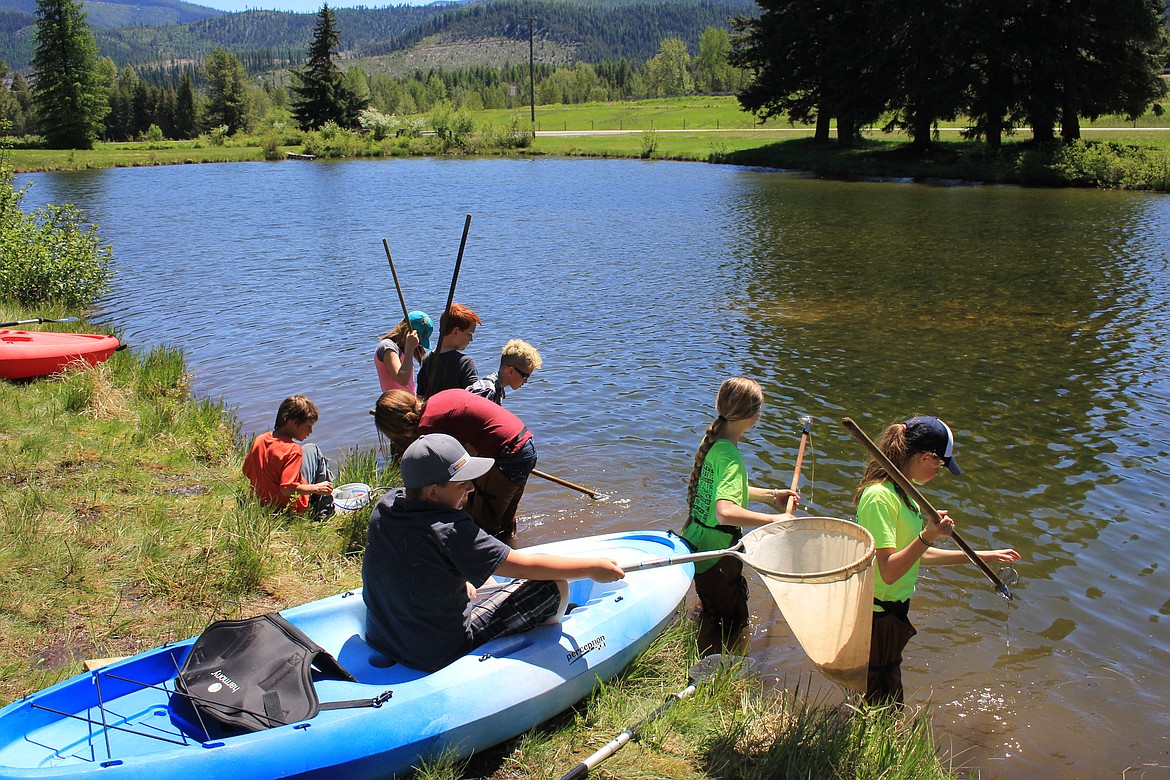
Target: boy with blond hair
point(517, 362)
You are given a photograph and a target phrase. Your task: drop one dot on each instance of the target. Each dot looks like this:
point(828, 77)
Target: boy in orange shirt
point(286, 474)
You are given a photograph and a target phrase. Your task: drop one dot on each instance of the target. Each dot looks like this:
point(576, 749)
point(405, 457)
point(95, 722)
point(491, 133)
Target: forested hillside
point(122, 13)
point(601, 31)
point(596, 30)
point(18, 17)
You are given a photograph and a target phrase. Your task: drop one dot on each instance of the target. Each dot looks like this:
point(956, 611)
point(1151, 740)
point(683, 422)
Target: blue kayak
point(117, 721)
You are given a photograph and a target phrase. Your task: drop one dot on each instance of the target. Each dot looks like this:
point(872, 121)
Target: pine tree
point(322, 95)
point(227, 92)
point(69, 97)
point(186, 109)
point(817, 59)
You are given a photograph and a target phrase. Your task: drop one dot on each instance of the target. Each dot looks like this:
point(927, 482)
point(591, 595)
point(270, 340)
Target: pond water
point(1033, 321)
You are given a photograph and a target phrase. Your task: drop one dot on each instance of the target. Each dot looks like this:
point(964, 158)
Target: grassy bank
point(124, 524)
point(1115, 152)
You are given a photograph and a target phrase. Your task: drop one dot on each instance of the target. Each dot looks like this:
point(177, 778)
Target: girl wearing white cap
point(919, 448)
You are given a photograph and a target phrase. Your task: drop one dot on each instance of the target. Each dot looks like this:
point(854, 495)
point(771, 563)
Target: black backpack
point(254, 674)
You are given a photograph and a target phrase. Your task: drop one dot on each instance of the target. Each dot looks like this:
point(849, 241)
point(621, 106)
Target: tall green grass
point(126, 520)
point(739, 725)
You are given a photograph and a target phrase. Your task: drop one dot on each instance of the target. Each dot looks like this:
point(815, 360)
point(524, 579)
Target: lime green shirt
point(723, 476)
point(893, 525)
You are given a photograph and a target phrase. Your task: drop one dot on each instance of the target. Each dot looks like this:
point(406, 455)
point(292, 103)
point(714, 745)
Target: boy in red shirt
point(285, 474)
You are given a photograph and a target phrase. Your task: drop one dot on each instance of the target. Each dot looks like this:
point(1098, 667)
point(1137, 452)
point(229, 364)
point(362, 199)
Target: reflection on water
point(1033, 321)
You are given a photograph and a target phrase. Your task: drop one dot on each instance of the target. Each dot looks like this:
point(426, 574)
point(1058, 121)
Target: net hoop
point(835, 529)
point(351, 496)
point(820, 573)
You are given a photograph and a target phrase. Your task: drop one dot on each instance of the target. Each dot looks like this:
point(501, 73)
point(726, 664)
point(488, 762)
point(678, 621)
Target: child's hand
point(411, 341)
point(935, 531)
point(605, 570)
point(780, 497)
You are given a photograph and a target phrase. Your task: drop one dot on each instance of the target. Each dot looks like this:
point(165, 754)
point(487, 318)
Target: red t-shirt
point(274, 462)
point(483, 427)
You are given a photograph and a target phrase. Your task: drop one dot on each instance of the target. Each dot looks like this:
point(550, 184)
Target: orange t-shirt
point(274, 462)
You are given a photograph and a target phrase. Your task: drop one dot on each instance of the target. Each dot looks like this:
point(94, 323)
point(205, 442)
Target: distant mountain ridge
point(593, 30)
point(18, 19)
point(126, 13)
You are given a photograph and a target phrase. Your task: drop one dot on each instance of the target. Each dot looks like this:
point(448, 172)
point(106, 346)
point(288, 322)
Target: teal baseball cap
point(421, 322)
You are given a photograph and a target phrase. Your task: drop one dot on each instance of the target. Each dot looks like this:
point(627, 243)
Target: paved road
point(806, 131)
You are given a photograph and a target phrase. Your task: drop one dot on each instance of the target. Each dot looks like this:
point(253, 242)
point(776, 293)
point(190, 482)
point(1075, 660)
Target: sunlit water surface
point(1033, 321)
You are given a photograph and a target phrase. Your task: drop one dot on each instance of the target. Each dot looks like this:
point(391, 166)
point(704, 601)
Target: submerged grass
point(124, 523)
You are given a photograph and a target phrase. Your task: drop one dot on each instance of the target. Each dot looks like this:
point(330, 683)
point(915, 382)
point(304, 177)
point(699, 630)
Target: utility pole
point(531, 72)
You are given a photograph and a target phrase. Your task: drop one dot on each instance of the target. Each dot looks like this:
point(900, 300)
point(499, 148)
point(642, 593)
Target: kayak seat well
point(370, 666)
point(343, 635)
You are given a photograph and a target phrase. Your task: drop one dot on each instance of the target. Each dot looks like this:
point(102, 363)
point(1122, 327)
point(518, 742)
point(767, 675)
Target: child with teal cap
point(410, 337)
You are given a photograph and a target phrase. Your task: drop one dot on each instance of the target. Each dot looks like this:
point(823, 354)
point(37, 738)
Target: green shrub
point(378, 124)
point(24, 141)
point(270, 146)
point(313, 144)
point(517, 134)
point(334, 141)
point(455, 129)
point(216, 136)
point(650, 142)
point(49, 255)
point(1104, 164)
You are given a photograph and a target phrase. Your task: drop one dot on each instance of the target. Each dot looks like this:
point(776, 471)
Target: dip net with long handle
point(819, 570)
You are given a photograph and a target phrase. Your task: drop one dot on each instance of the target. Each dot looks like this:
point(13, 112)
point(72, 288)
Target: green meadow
point(1114, 152)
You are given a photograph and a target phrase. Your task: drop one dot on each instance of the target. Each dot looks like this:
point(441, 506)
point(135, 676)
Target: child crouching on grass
point(288, 475)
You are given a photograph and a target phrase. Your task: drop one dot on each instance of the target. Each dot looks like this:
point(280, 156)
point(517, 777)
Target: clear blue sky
point(299, 6)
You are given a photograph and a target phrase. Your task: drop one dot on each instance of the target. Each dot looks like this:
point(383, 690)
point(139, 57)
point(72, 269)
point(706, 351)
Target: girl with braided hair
point(717, 496)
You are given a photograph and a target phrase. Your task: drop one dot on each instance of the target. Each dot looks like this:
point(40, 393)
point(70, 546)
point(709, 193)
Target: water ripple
point(1034, 321)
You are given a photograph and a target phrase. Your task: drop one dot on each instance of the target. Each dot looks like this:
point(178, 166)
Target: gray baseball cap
point(437, 458)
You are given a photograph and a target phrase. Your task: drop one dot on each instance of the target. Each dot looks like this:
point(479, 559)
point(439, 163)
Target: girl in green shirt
point(718, 495)
point(903, 541)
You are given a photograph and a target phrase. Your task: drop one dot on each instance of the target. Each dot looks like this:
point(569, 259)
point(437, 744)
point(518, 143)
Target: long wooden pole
point(397, 286)
point(450, 299)
point(805, 432)
point(916, 494)
point(565, 483)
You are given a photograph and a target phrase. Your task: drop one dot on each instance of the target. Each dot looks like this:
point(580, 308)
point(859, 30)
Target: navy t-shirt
point(456, 370)
point(419, 558)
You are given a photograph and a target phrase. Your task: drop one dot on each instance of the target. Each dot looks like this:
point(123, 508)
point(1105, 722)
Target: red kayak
point(25, 354)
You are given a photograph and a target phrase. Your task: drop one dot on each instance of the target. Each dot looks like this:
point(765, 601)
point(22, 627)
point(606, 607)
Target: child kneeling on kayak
point(425, 558)
point(288, 475)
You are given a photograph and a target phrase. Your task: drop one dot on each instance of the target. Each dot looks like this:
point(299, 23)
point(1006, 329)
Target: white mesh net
point(820, 572)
